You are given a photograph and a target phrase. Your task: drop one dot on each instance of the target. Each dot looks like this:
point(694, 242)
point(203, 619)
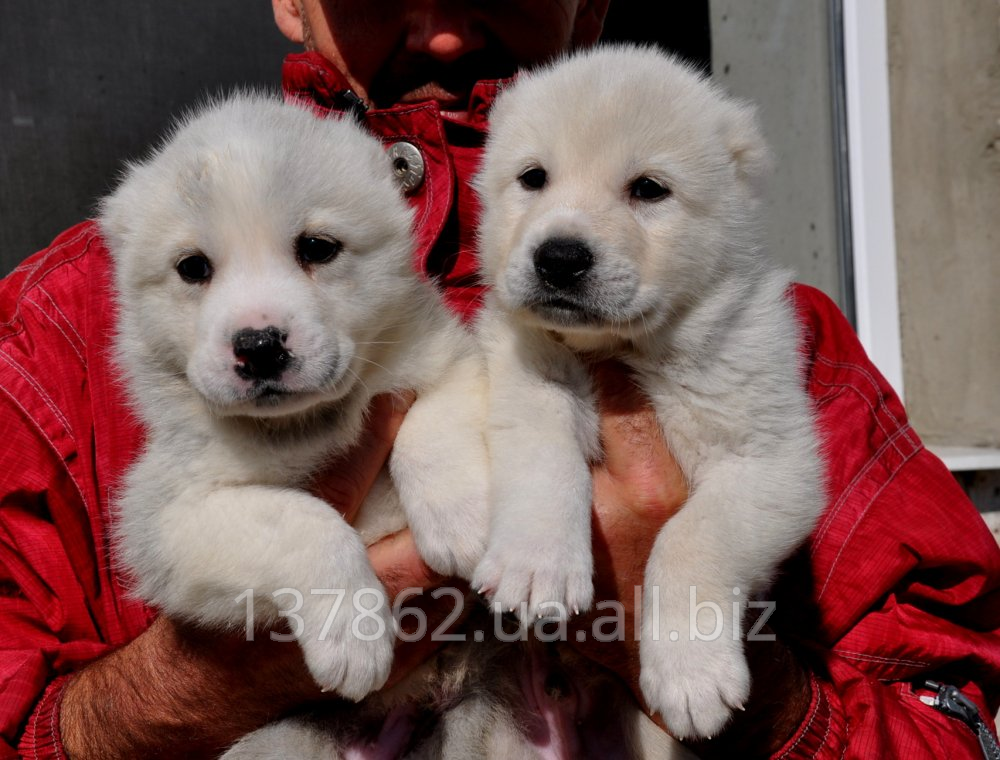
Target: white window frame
point(873, 232)
point(866, 76)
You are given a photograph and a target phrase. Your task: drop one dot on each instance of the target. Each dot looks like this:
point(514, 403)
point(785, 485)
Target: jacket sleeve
point(901, 579)
point(45, 625)
point(60, 605)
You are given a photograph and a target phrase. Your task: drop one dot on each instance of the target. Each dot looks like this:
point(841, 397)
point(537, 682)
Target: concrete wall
point(777, 53)
point(85, 85)
point(945, 94)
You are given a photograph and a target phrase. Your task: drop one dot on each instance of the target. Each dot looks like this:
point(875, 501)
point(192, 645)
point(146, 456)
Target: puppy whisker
point(375, 363)
point(360, 380)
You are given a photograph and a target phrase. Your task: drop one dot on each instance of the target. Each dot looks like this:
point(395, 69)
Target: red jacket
point(899, 582)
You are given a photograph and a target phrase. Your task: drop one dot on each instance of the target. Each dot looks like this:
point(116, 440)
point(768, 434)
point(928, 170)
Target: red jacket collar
point(311, 77)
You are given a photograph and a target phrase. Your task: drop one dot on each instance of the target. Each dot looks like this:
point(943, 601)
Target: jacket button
point(407, 164)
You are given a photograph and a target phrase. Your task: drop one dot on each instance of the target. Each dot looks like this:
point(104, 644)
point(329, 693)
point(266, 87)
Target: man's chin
point(415, 78)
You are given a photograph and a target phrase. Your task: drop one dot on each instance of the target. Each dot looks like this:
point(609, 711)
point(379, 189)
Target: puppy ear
point(200, 168)
point(745, 141)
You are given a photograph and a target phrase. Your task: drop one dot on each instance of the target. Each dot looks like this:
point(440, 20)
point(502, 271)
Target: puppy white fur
point(621, 220)
point(266, 293)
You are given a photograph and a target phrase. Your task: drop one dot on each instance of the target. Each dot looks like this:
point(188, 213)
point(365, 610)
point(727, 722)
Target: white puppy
point(266, 293)
point(620, 220)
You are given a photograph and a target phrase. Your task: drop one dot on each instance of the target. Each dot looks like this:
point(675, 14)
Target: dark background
point(88, 85)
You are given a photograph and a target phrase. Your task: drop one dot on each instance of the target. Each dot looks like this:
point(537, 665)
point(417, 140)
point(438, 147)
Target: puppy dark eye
point(316, 250)
point(194, 267)
point(647, 189)
point(533, 179)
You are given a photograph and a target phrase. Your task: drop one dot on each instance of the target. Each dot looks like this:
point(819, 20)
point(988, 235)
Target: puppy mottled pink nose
point(562, 262)
point(260, 354)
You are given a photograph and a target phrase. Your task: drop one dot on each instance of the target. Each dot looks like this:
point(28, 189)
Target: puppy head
point(254, 252)
point(617, 185)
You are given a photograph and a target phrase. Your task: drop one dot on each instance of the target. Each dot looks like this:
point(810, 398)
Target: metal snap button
point(407, 164)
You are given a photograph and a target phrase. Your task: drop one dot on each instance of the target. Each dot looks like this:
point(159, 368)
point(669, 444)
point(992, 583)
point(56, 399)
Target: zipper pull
point(351, 103)
point(950, 701)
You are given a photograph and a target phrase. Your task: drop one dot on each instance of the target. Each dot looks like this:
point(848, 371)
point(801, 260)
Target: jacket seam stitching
point(850, 655)
point(875, 386)
point(69, 322)
point(40, 391)
point(830, 518)
point(390, 112)
point(826, 734)
point(40, 277)
point(41, 429)
point(875, 411)
point(812, 716)
point(854, 526)
point(52, 728)
point(55, 324)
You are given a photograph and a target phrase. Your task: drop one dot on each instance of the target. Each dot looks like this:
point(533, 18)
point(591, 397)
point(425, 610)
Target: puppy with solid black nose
point(632, 234)
point(561, 263)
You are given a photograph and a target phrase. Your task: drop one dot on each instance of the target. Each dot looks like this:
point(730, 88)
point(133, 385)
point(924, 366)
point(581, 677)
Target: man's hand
point(637, 488)
point(176, 691)
point(179, 691)
point(347, 479)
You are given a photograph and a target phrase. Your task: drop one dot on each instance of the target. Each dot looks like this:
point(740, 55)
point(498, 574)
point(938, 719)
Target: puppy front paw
point(536, 580)
point(451, 536)
point(444, 490)
point(693, 684)
point(353, 668)
point(349, 651)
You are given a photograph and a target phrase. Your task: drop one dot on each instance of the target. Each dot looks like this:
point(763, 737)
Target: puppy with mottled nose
point(621, 220)
point(266, 292)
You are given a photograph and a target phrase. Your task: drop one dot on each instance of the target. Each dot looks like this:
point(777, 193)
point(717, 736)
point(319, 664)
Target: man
point(899, 581)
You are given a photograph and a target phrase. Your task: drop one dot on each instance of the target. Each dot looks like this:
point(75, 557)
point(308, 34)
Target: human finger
point(637, 465)
point(346, 481)
point(399, 565)
point(401, 569)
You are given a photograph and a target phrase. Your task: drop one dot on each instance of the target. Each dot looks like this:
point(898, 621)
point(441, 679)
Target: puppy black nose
point(261, 354)
point(561, 262)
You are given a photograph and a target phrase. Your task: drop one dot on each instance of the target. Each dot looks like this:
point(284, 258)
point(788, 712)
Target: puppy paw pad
point(695, 686)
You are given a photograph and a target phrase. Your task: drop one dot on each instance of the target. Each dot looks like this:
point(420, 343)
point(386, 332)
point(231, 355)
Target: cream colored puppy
point(621, 220)
point(266, 293)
